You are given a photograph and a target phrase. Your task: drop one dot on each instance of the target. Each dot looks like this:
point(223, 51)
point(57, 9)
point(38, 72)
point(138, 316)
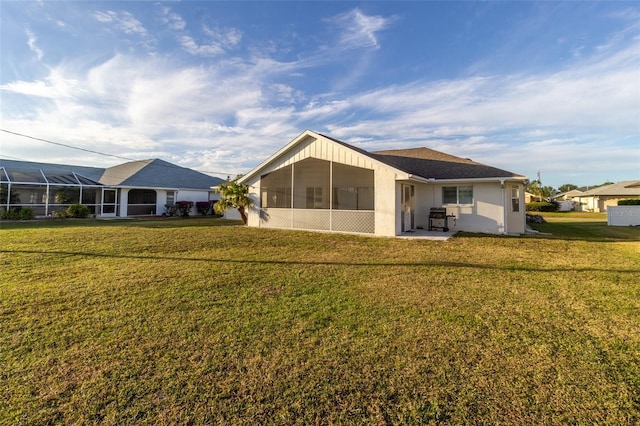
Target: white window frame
point(515, 199)
point(458, 189)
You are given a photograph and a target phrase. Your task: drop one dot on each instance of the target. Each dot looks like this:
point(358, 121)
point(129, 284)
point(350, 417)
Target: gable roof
point(154, 173)
point(423, 163)
point(628, 188)
point(157, 173)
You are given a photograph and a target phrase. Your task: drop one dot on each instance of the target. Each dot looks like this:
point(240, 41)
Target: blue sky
point(219, 86)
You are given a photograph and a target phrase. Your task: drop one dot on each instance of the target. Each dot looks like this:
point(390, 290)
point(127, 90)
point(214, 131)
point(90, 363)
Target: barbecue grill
point(439, 219)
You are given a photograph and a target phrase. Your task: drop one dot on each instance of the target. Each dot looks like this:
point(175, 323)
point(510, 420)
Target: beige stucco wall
point(486, 214)
point(386, 203)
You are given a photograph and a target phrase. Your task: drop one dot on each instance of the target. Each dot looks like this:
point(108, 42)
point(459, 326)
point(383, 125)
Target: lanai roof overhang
point(44, 177)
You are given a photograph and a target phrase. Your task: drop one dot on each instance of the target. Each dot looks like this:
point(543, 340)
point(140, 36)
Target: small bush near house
point(10, 214)
point(543, 206)
point(19, 213)
point(203, 207)
point(170, 209)
point(215, 212)
point(26, 213)
point(184, 207)
point(630, 202)
point(534, 218)
point(78, 211)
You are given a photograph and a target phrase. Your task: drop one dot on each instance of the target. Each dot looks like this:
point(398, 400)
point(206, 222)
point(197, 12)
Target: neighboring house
point(319, 183)
point(131, 189)
point(532, 198)
point(565, 200)
point(567, 196)
point(597, 199)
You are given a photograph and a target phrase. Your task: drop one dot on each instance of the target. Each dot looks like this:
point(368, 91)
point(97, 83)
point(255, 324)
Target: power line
point(66, 146)
point(96, 152)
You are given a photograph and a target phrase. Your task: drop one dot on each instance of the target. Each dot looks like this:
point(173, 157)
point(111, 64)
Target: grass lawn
point(203, 321)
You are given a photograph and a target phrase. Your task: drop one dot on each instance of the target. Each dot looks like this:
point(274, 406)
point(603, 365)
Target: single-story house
point(316, 182)
point(134, 188)
point(599, 198)
point(530, 197)
point(569, 195)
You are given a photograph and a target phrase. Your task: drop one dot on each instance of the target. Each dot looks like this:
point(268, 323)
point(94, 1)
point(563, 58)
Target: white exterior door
point(408, 207)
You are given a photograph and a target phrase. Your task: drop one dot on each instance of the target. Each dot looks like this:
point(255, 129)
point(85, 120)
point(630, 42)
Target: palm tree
point(233, 195)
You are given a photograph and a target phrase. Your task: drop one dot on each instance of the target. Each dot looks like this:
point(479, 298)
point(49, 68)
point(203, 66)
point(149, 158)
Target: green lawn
point(203, 321)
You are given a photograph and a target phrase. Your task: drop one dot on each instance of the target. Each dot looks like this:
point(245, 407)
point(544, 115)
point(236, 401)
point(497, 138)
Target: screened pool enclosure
point(47, 191)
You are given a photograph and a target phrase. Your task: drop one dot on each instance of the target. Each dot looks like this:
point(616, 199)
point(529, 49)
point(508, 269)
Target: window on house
point(515, 199)
point(142, 196)
point(457, 195)
point(171, 198)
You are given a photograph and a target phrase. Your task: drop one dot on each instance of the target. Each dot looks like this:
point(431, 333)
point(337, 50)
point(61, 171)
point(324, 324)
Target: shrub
point(170, 209)
point(534, 218)
point(543, 206)
point(11, 214)
point(26, 213)
point(78, 211)
point(184, 207)
point(203, 207)
point(630, 202)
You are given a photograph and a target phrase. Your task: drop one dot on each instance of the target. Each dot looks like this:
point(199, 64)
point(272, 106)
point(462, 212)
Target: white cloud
point(359, 30)
point(124, 21)
point(173, 20)
point(31, 41)
point(228, 37)
point(220, 42)
point(192, 47)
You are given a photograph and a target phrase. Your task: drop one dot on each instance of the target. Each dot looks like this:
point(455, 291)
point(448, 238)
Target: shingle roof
point(428, 163)
point(157, 173)
point(628, 188)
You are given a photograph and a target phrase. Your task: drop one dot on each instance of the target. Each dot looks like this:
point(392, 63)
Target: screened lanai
point(320, 195)
point(48, 191)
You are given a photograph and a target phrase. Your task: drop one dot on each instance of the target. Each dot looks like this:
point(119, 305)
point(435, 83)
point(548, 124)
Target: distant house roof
point(629, 188)
point(153, 173)
point(567, 195)
point(157, 173)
